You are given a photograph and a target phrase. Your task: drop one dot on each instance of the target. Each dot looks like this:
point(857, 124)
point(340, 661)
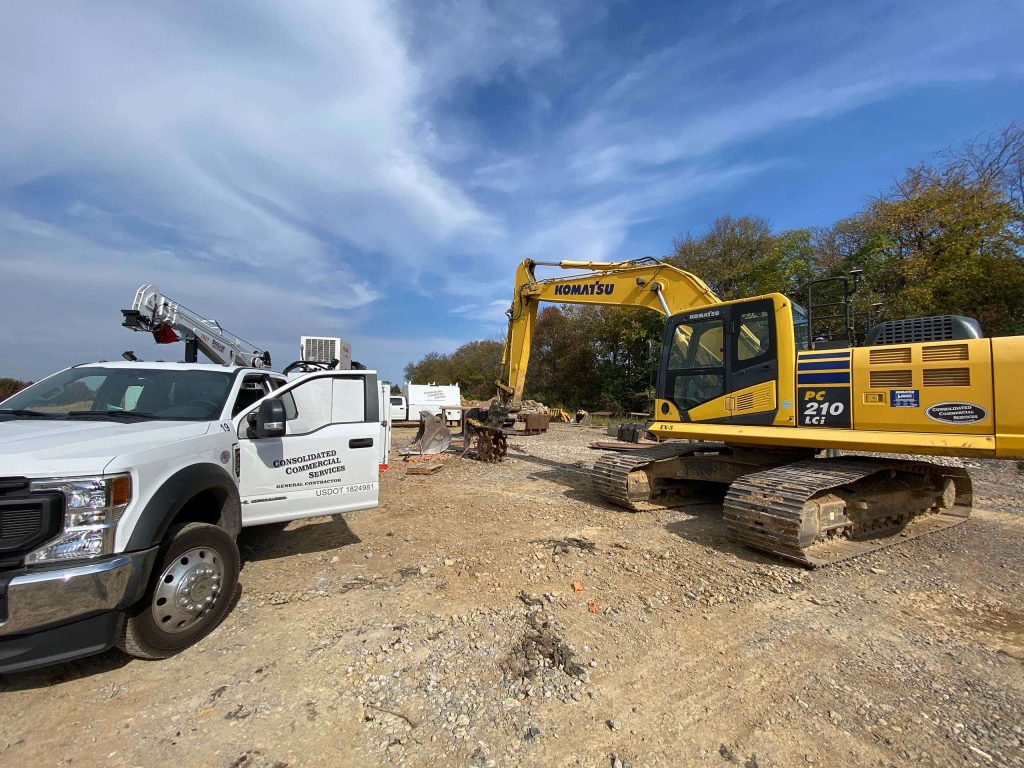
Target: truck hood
point(38, 448)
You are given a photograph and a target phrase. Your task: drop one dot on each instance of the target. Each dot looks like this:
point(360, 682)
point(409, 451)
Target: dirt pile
point(502, 615)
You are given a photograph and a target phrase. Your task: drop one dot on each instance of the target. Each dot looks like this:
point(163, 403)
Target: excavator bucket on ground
point(432, 437)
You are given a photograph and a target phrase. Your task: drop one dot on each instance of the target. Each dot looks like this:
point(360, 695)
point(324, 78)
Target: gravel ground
point(501, 615)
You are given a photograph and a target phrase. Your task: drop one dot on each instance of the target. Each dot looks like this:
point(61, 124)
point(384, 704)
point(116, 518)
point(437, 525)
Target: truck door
point(384, 449)
point(398, 408)
point(327, 460)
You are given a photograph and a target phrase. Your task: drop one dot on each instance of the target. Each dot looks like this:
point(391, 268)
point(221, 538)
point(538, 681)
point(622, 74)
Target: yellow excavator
point(760, 395)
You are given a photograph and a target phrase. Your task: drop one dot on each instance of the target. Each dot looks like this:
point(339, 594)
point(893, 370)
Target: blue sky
point(375, 170)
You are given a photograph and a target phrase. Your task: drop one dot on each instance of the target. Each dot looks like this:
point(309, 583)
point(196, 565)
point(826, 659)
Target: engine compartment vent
point(945, 352)
point(894, 355)
point(892, 379)
point(947, 377)
point(918, 329)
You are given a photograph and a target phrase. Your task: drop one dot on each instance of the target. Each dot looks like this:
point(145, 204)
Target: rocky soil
point(501, 615)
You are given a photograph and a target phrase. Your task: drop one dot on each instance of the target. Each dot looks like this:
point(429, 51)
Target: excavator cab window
point(696, 360)
point(755, 335)
point(800, 334)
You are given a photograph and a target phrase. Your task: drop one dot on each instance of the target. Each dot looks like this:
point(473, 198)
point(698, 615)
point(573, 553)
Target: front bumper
point(53, 603)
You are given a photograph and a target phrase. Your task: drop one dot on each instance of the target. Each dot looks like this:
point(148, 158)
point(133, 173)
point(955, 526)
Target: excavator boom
point(644, 283)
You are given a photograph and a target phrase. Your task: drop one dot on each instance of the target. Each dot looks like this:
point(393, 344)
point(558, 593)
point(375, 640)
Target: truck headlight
point(92, 507)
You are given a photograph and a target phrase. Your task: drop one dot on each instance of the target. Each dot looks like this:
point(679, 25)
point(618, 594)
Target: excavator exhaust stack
point(433, 435)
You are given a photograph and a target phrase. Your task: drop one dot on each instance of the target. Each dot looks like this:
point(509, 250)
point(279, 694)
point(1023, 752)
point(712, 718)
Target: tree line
point(946, 238)
point(9, 387)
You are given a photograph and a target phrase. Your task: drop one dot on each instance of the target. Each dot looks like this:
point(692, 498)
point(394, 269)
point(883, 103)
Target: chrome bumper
point(36, 600)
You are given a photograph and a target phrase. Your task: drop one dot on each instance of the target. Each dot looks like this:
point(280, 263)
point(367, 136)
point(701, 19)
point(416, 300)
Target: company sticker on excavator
point(956, 413)
point(824, 407)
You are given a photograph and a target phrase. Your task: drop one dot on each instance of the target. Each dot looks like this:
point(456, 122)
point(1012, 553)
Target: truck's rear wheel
point(190, 592)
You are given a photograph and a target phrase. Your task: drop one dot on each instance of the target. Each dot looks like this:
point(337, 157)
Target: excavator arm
point(643, 283)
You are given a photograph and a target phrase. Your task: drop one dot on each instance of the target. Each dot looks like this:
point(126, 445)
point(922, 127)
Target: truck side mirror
point(270, 419)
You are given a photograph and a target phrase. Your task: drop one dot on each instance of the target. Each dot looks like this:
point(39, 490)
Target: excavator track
point(820, 511)
point(612, 480)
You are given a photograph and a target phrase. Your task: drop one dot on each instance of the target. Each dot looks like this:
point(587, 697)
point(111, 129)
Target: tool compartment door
point(326, 463)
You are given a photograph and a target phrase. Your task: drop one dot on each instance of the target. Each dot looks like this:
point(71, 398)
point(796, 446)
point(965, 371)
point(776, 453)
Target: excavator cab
point(728, 364)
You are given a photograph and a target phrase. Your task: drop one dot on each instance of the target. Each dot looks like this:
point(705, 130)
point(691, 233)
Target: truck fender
point(180, 488)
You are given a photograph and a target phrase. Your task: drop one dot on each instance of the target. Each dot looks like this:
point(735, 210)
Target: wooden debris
point(424, 469)
point(610, 445)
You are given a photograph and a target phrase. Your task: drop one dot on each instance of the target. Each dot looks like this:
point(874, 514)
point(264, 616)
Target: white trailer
point(435, 398)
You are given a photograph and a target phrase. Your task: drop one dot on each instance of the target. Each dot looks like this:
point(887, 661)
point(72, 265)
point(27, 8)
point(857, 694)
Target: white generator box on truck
point(323, 349)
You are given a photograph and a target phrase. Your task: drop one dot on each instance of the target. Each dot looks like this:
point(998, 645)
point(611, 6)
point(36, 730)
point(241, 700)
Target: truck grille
point(26, 520)
point(17, 522)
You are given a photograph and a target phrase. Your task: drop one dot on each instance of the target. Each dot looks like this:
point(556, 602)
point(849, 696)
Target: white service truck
point(435, 398)
point(123, 487)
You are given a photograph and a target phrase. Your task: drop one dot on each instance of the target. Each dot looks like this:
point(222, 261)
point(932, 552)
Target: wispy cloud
point(701, 96)
point(377, 169)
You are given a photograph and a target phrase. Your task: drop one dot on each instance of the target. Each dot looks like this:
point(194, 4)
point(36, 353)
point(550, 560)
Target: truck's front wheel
point(190, 592)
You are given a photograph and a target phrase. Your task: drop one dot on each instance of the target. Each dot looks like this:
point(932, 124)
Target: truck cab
point(123, 487)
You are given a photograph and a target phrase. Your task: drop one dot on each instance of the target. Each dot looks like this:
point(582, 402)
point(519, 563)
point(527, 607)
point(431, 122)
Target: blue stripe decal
point(823, 378)
point(830, 365)
point(822, 355)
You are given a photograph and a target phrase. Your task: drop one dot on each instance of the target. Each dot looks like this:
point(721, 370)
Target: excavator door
point(721, 364)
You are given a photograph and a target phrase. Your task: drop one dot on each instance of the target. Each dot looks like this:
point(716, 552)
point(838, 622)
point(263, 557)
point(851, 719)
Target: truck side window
point(290, 410)
point(349, 401)
point(252, 389)
point(329, 400)
point(311, 403)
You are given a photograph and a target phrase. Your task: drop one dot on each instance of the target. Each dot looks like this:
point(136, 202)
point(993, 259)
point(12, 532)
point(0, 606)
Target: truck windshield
point(123, 393)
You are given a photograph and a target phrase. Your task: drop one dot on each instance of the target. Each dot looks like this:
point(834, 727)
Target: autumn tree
point(626, 343)
point(563, 359)
point(946, 244)
point(736, 257)
point(474, 367)
point(9, 387)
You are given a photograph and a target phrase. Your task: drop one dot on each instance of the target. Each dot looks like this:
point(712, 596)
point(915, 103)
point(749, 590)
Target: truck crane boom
point(170, 321)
